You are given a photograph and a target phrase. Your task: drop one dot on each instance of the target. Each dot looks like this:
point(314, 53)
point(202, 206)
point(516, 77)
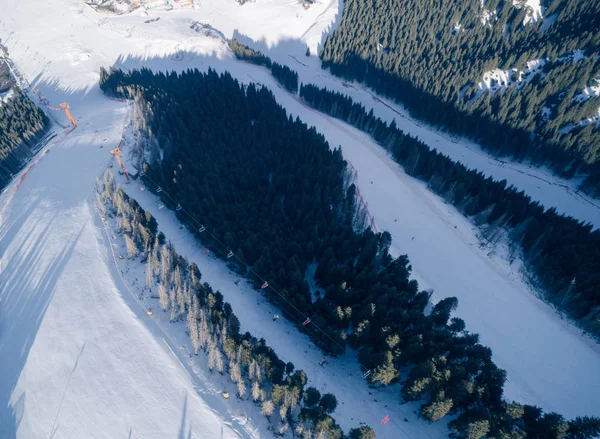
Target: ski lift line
point(143, 302)
point(193, 218)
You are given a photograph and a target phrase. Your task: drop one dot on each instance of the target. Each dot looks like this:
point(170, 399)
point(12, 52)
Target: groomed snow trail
point(60, 45)
point(549, 362)
point(74, 360)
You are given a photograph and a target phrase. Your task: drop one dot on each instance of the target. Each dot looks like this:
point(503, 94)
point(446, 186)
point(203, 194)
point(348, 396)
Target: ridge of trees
point(272, 190)
point(412, 51)
point(286, 76)
point(22, 124)
point(561, 252)
point(254, 367)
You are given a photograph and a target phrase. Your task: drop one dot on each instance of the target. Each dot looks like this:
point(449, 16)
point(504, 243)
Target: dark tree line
point(272, 190)
point(22, 124)
point(563, 253)
point(286, 76)
point(410, 51)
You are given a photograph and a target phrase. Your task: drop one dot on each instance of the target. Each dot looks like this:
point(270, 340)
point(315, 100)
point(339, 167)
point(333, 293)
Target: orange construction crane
point(117, 153)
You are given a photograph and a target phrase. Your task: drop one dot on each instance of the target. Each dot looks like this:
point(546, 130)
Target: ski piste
point(82, 298)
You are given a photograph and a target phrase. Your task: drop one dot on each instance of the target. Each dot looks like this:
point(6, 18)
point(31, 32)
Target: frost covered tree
point(154, 260)
point(165, 263)
point(192, 324)
point(283, 409)
point(267, 408)
point(177, 281)
point(132, 249)
point(100, 204)
point(241, 388)
point(219, 361)
point(180, 298)
point(204, 333)
point(212, 357)
point(234, 371)
point(172, 304)
point(256, 391)
point(150, 280)
point(163, 296)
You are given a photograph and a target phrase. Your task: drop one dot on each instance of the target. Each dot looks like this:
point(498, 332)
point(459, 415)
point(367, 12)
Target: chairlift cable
point(343, 349)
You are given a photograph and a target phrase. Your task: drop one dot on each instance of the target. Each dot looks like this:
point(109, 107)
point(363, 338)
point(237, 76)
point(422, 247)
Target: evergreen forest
point(562, 254)
point(431, 56)
point(22, 124)
point(255, 369)
point(270, 189)
point(284, 75)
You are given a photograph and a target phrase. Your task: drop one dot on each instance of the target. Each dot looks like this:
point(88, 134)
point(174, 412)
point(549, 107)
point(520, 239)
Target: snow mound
point(76, 54)
point(487, 16)
point(497, 79)
point(114, 6)
point(533, 10)
point(590, 91)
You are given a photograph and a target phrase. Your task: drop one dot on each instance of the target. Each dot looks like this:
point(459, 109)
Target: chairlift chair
point(159, 190)
point(229, 255)
point(265, 285)
point(201, 229)
point(178, 207)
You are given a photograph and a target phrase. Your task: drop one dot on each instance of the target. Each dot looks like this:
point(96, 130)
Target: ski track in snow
point(56, 271)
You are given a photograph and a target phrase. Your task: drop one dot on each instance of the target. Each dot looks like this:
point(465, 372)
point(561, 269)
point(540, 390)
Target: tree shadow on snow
point(24, 299)
point(33, 214)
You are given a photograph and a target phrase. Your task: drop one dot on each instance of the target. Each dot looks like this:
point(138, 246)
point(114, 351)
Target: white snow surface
point(86, 338)
point(487, 16)
point(499, 80)
point(75, 360)
point(590, 91)
point(533, 10)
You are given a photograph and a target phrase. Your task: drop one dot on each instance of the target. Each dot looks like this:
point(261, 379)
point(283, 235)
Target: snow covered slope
point(51, 243)
point(75, 361)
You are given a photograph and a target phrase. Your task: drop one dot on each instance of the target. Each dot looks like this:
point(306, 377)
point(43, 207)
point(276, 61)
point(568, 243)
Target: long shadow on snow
point(26, 311)
point(58, 189)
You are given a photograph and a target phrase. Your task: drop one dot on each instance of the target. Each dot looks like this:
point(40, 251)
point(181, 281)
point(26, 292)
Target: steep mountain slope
point(75, 360)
